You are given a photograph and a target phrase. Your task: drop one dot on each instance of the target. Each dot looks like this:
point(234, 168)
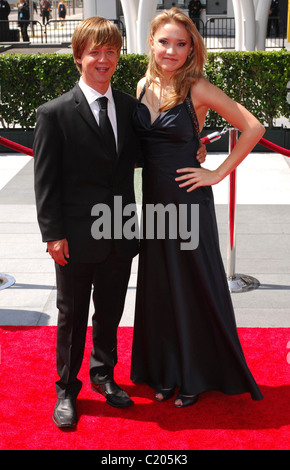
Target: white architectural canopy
point(138, 15)
point(251, 17)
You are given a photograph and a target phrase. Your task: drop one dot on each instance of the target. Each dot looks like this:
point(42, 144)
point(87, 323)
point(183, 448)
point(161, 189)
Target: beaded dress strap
point(191, 111)
point(142, 93)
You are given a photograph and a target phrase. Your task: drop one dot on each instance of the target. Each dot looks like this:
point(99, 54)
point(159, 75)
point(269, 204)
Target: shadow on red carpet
point(216, 422)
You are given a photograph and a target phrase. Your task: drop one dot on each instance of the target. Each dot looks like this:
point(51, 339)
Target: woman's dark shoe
point(182, 401)
point(163, 394)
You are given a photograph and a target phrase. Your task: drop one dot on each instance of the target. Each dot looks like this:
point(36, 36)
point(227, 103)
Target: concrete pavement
point(263, 243)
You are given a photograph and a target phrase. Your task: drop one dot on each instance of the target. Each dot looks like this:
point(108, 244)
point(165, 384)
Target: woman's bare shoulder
point(202, 85)
point(140, 85)
point(204, 93)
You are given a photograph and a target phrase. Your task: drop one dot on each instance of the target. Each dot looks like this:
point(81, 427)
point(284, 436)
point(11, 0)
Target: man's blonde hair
point(99, 31)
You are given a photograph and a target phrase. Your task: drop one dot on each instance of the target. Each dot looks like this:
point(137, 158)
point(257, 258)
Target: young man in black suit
point(75, 169)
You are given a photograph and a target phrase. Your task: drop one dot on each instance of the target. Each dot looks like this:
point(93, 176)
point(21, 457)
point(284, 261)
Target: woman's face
point(171, 46)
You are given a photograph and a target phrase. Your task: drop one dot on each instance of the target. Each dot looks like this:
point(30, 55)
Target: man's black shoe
point(114, 395)
point(65, 414)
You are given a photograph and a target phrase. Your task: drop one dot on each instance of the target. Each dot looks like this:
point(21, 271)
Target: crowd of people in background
point(45, 8)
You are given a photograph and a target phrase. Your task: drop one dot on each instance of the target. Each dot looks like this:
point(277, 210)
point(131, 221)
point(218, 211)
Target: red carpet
point(216, 422)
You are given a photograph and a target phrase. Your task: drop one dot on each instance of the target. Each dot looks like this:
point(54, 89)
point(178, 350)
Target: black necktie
point(106, 127)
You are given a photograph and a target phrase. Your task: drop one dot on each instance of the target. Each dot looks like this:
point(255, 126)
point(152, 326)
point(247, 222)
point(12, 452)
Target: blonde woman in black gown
point(185, 334)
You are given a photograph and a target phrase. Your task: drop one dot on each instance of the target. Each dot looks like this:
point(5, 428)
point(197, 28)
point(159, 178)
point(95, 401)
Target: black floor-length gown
point(185, 331)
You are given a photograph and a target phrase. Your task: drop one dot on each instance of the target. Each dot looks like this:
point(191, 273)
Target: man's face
point(98, 66)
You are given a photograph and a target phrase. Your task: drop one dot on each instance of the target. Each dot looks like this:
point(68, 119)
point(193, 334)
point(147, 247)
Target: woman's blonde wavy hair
point(193, 66)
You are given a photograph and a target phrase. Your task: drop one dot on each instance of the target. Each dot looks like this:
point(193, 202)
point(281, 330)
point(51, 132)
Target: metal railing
point(276, 34)
point(53, 32)
point(37, 33)
point(218, 32)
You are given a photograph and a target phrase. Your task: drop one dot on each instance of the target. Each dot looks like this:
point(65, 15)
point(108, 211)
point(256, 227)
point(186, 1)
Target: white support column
point(146, 12)
point(90, 8)
point(130, 10)
point(238, 25)
point(262, 15)
point(249, 20)
point(105, 9)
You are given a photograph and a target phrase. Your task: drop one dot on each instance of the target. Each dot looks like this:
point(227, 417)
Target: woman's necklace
point(160, 95)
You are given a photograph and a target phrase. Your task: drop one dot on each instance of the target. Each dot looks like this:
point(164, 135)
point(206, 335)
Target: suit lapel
point(84, 109)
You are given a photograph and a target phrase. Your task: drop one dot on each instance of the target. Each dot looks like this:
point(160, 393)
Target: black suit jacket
point(74, 172)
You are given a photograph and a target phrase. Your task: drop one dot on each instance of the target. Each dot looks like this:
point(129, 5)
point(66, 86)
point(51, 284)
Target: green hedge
point(256, 79)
